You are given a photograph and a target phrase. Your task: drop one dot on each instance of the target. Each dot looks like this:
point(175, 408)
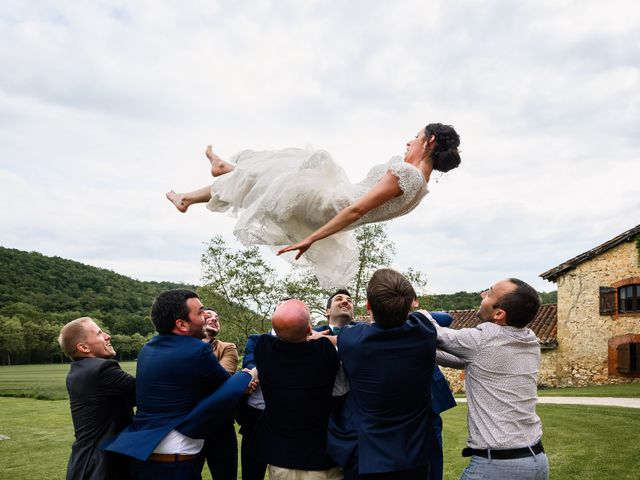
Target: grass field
point(583, 442)
point(47, 382)
point(44, 382)
point(622, 390)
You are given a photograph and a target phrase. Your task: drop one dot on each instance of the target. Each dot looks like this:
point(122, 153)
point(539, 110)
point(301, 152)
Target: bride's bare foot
point(218, 166)
point(178, 200)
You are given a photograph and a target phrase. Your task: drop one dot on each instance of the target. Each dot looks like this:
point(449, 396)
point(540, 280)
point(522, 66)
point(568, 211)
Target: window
point(629, 299)
point(607, 300)
point(628, 358)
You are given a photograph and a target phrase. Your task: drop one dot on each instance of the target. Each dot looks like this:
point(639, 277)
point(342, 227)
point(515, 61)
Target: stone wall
point(547, 375)
point(583, 334)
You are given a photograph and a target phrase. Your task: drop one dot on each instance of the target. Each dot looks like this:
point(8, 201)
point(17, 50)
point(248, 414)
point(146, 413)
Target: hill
point(57, 285)
point(39, 294)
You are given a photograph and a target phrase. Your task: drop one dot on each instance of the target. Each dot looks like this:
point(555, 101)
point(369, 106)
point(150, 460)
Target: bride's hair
point(445, 155)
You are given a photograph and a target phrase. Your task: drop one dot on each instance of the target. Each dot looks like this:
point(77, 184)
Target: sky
point(106, 105)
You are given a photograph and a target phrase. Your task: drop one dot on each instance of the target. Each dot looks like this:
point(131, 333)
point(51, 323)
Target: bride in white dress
point(301, 197)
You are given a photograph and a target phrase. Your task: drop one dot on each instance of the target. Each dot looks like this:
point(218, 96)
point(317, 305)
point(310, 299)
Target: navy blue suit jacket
point(385, 425)
point(297, 380)
point(179, 385)
point(441, 397)
point(248, 360)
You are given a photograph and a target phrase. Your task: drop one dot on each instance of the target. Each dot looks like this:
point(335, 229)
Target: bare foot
point(218, 166)
point(178, 200)
point(210, 155)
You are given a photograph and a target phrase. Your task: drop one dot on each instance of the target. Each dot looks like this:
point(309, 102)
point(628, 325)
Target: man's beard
point(210, 332)
point(343, 318)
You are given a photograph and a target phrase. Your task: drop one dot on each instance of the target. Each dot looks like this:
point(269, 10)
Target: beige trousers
point(279, 473)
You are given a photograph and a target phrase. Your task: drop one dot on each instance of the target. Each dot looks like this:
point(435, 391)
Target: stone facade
point(583, 355)
point(547, 377)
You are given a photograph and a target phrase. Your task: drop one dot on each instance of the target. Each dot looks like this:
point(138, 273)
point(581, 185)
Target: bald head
point(292, 321)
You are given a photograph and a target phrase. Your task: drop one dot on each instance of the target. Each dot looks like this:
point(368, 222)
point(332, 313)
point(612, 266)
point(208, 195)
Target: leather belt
point(504, 454)
point(170, 457)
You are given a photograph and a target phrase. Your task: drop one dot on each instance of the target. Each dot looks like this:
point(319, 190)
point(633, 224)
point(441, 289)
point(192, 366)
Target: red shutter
point(607, 300)
point(624, 358)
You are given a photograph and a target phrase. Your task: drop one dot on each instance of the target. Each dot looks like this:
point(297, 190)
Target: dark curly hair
point(445, 155)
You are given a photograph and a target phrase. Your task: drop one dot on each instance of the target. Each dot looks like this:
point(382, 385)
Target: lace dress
point(280, 197)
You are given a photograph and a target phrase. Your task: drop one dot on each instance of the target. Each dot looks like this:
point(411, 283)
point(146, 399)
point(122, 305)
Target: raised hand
point(302, 246)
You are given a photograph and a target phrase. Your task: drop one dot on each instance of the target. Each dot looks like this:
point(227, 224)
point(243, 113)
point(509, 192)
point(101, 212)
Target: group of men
point(352, 400)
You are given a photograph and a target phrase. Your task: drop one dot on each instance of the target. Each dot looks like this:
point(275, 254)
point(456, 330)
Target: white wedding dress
point(280, 197)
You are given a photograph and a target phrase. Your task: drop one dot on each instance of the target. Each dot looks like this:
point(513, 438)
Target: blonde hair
point(72, 334)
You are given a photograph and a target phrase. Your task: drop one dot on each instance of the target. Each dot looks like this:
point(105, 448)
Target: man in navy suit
point(384, 429)
point(182, 393)
point(296, 377)
point(248, 415)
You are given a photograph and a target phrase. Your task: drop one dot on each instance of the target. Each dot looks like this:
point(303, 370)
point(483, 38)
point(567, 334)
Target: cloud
point(104, 106)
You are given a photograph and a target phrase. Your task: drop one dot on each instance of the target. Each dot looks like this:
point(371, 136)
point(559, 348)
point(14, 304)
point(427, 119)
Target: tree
point(242, 280)
point(242, 284)
point(11, 338)
point(376, 251)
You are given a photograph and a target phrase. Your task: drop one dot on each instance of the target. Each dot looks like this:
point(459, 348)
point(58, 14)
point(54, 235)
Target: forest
point(39, 294)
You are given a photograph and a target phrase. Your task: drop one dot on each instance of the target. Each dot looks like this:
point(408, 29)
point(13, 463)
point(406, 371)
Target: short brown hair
point(72, 334)
point(390, 296)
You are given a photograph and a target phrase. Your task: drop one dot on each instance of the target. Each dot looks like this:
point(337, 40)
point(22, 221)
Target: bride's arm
point(383, 191)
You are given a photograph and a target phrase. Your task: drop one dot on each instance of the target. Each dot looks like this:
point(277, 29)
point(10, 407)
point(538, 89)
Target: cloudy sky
point(106, 105)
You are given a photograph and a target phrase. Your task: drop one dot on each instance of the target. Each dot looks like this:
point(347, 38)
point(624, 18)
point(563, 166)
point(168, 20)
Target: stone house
point(598, 330)
point(592, 335)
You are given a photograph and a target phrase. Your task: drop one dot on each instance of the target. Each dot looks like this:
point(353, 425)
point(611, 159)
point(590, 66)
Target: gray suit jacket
point(102, 397)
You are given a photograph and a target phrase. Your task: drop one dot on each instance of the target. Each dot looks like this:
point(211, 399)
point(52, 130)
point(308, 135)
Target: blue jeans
point(535, 467)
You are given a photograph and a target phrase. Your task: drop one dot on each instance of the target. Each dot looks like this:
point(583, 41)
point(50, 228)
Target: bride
point(302, 198)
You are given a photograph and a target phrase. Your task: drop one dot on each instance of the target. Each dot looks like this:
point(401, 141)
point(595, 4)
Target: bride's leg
point(218, 166)
point(182, 201)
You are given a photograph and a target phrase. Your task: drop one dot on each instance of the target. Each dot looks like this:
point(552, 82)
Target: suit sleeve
point(116, 382)
point(212, 373)
point(249, 360)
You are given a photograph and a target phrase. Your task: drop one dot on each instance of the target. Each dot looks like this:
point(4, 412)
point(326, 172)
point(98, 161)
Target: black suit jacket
point(102, 397)
point(297, 381)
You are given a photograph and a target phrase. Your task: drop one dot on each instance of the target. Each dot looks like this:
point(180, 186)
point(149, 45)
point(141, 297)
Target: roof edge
point(628, 236)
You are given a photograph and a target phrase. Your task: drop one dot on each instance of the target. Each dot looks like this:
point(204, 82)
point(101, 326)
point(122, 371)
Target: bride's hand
point(302, 246)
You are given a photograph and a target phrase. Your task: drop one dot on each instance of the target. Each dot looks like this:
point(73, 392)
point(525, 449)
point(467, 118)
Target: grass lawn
point(45, 382)
point(622, 390)
point(583, 442)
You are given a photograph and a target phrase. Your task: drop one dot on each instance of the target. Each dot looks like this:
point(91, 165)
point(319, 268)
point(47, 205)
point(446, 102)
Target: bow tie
point(336, 330)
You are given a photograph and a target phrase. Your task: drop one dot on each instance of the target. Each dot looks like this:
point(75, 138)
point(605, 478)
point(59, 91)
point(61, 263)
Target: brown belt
point(170, 457)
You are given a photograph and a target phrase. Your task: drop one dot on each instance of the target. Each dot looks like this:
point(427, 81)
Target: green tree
point(41, 340)
point(11, 339)
point(240, 278)
point(243, 278)
point(376, 251)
